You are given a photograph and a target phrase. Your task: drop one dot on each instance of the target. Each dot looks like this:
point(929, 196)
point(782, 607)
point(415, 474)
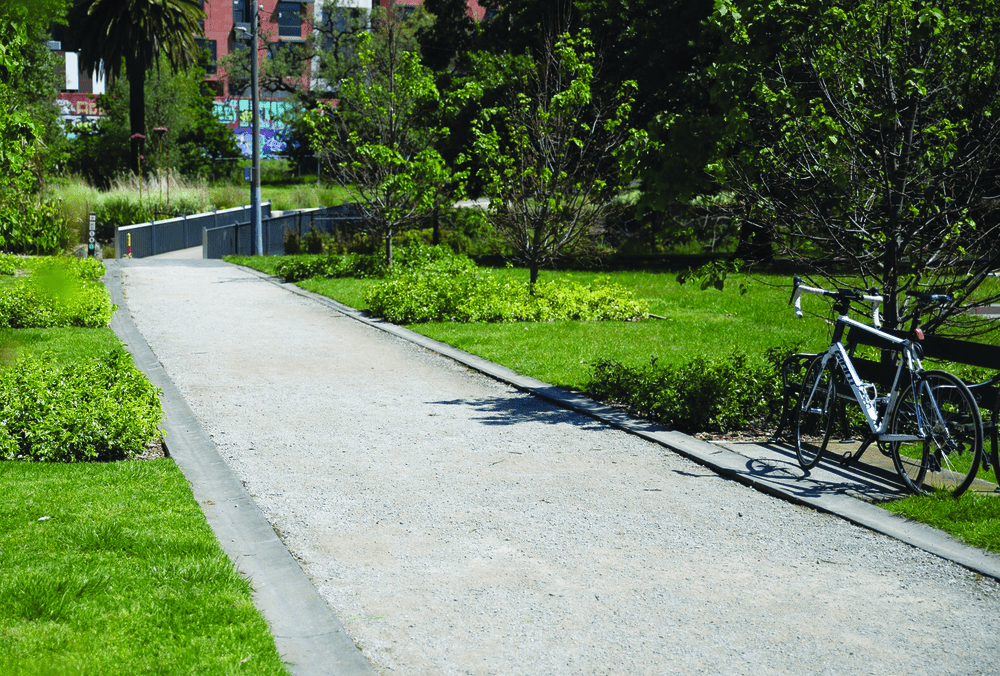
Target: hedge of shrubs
point(62, 291)
point(432, 283)
point(720, 395)
point(102, 410)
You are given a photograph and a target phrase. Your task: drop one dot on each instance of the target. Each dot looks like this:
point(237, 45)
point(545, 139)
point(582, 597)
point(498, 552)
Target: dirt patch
point(153, 450)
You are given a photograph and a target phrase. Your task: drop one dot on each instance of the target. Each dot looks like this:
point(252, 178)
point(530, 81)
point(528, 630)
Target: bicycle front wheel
point(940, 414)
point(815, 412)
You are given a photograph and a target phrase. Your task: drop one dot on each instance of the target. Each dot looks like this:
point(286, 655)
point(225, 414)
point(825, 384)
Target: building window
point(289, 16)
point(242, 11)
point(209, 55)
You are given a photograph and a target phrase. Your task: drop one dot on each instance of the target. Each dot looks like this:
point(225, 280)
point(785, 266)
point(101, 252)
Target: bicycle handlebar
point(844, 295)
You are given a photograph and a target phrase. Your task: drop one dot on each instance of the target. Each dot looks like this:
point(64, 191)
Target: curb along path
point(455, 524)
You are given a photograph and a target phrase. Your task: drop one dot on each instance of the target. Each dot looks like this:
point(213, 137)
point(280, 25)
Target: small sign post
point(92, 231)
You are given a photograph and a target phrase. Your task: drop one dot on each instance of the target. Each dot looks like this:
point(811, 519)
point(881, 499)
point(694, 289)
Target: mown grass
point(111, 568)
point(67, 345)
point(974, 518)
point(696, 323)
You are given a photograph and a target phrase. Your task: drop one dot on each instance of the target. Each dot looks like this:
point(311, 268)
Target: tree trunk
point(755, 242)
point(136, 113)
point(388, 248)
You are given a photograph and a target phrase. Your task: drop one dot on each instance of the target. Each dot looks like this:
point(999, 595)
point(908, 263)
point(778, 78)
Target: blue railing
point(235, 238)
point(157, 237)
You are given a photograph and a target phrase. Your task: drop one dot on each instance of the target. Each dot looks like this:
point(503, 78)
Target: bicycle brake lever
point(796, 299)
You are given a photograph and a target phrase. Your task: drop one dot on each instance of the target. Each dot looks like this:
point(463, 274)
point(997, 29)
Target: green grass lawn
point(68, 345)
point(111, 568)
point(697, 323)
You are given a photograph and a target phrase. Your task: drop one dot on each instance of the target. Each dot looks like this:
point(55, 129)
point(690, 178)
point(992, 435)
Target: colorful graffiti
point(76, 108)
point(236, 114)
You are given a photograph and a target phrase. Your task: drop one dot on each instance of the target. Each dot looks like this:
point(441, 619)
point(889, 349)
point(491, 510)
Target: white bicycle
point(928, 421)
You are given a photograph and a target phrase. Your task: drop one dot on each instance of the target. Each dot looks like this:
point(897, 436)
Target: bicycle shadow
point(866, 478)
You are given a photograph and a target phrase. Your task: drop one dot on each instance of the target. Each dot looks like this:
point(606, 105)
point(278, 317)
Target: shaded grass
point(111, 568)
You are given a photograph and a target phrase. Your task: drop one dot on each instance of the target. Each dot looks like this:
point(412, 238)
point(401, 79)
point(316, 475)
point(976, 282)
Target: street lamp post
point(255, 219)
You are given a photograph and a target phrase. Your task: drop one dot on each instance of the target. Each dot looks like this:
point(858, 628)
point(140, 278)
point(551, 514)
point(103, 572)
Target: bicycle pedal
point(846, 459)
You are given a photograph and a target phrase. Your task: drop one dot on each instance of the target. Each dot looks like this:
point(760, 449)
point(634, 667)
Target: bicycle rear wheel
point(815, 412)
point(939, 409)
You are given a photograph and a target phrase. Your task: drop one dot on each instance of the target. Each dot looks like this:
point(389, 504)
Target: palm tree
point(136, 34)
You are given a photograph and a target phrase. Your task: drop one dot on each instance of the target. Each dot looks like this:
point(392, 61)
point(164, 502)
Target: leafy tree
point(376, 140)
point(663, 46)
point(27, 223)
point(134, 35)
point(190, 137)
point(449, 36)
point(550, 153)
point(323, 59)
point(867, 140)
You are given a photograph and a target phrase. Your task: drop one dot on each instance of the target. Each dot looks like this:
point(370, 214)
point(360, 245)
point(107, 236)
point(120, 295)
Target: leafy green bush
point(9, 263)
point(60, 291)
point(703, 395)
point(104, 410)
point(118, 210)
point(291, 242)
point(30, 225)
point(445, 286)
point(313, 241)
point(332, 266)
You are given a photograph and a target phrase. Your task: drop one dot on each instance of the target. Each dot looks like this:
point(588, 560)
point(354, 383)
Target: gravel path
point(457, 526)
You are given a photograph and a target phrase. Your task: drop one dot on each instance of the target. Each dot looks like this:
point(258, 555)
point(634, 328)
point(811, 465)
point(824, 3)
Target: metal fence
point(157, 237)
point(235, 238)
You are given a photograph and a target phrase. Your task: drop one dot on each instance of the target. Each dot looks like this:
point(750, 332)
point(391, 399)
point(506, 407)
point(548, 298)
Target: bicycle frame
point(910, 362)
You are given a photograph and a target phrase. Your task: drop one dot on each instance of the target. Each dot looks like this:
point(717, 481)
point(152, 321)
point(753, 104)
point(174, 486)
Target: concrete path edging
point(718, 458)
point(309, 638)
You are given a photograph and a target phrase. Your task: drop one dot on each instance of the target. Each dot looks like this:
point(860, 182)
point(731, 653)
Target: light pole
point(255, 222)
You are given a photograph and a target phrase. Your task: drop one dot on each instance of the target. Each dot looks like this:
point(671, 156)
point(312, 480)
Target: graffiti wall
point(77, 108)
point(236, 114)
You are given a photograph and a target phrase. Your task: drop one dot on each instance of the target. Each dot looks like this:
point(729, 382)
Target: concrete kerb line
point(309, 637)
point(720, 460)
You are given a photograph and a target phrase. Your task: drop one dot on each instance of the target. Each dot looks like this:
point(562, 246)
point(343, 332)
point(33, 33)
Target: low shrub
point(62, 291)
point(291, 242)
point(331, 266)
point(737, 392)
point(118, 210)
point(444, 286)
point(10, 263)
point(103, 410)
point(312, 241)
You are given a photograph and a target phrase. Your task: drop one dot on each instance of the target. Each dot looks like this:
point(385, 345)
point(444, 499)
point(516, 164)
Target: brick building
point(282, 22)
